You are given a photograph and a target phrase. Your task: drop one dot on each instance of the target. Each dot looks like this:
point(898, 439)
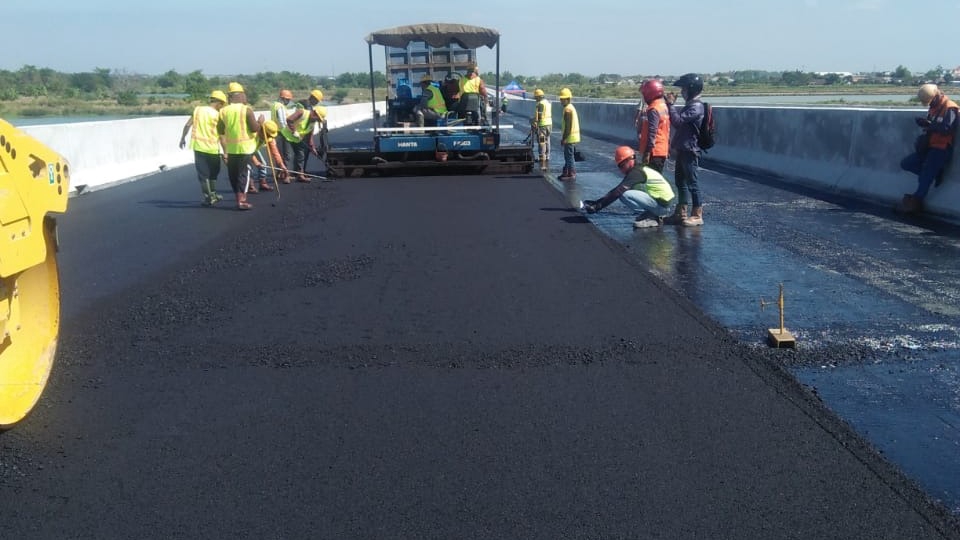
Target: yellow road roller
point(34, 181)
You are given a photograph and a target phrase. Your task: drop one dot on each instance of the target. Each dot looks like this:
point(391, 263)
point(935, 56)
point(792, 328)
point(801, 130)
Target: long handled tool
point(305, 174)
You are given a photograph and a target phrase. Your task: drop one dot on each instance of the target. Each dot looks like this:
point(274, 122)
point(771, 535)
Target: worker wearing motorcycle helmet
point(569, 134)
point(542, 125)
point(654, 126)
point(686, 122)
point(933, 149)
point(643, 189)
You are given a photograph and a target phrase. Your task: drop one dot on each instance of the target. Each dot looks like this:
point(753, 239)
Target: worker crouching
point(643, 189)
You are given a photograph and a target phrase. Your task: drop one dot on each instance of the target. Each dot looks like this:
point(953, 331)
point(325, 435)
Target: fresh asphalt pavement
point(426, 358)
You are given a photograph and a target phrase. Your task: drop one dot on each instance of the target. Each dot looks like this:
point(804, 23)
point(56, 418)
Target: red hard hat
point(651, 89)
point(622, 154)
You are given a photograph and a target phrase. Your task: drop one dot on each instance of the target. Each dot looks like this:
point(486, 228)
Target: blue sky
point(227, 37)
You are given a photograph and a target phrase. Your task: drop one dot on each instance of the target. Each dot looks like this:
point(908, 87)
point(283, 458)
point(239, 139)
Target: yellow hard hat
point(317, 95)
point(218, 95)
point(270, 129)
point(234, 88)
point(538, 93)
point(426, 78)
point(927, 92)
point(565, 93)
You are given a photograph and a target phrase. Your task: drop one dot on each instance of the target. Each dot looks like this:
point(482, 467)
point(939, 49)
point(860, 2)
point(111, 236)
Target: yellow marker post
point(779, 337)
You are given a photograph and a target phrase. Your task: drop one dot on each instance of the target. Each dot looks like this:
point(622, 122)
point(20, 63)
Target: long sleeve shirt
point(686, 121)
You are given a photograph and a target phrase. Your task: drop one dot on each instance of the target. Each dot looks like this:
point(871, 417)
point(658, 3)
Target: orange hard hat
point(286, 94)
point(623, 153)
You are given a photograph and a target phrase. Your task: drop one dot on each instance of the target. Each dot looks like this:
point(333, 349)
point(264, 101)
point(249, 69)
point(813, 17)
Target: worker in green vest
point(431, 105)
point(238, 126)
point(279, 111)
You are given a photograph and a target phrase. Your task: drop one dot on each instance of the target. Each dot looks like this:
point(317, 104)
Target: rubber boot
point(696, 217)
point(207, 194)
point(214, 196)
point(909, 204)
point(678, 216)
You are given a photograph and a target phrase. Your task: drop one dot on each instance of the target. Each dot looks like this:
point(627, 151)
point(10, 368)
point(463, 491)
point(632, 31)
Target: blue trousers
point(926, 167)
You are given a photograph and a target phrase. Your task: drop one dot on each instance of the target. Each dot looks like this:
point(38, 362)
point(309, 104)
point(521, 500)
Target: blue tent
point(513, 88)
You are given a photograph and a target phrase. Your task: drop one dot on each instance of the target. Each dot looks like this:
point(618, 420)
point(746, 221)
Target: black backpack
point(707, 136)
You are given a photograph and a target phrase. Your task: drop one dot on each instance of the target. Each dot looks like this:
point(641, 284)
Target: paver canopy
point(436, 35)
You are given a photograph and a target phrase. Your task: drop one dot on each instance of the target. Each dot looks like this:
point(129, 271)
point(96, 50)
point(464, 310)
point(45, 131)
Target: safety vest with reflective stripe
point(656, 185)
point(941, 140)
point(306, 126)
point(203, 133)
point(574, 136)
point(287, 133)
point(661, 141)
point(544, 113)
point(436, 102)
point(239, 140)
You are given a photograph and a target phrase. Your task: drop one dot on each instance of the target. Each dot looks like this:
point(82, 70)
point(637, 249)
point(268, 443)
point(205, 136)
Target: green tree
point(195, 84)
point(170, 79)
point(902, 73)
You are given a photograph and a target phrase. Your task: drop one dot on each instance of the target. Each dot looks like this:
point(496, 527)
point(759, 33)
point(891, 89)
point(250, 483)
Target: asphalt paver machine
point(455, 144)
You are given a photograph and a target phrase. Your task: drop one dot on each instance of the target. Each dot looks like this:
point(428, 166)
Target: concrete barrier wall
point(104, 153)
point(854, 152)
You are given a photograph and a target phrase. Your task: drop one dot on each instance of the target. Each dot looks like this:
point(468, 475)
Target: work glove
point(590, 207)
point(923, 121)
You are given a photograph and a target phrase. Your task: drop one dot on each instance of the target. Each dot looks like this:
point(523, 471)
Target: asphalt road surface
point(445, 357)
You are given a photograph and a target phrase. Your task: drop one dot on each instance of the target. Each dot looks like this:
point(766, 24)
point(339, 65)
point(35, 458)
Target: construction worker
point(934, 147)
point(266, 160)
point(431, 105)
point(570, 135)
point(643, 189)
point(473, 97)
point(205, 143)
point(543, 124)
point(654, 128)
point(309, 118)
point(279, 111)
point(238, 126)
point(687, 121)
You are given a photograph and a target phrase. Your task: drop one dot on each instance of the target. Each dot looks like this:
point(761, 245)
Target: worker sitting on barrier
point(431, 105)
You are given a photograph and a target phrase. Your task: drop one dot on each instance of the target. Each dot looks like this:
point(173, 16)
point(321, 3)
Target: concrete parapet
point(853, 152)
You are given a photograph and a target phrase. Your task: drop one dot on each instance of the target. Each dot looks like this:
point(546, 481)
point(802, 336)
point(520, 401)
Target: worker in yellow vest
point(643, 189)
point(310, 118)
point(570, 135)
point(431, 105)
point(205, 143)
point(237, 127)
point(543, 124)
